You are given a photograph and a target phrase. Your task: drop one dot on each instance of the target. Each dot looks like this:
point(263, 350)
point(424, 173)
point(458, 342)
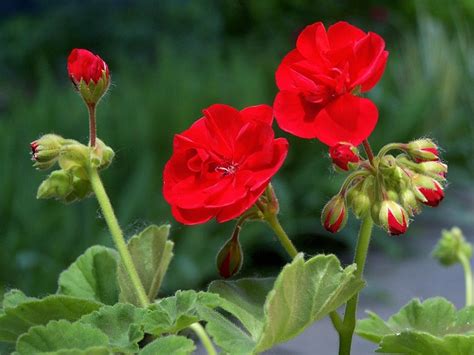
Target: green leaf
point(121, 323)
point(172, 314)
point(303, 293)
point(15, 297)
point(17, 320)
point(151, 253)
point(62, 337)
point(92, 276)
point(245, 299)
point(170, 345)
point(431, 327)
point(226, 334)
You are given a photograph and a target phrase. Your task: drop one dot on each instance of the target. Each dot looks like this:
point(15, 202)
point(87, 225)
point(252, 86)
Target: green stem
point(285, 241)
point(392, 146)
point(468, 277)
point(117, 235)
point(205, 341)
point(348, 325)
point(92, 125)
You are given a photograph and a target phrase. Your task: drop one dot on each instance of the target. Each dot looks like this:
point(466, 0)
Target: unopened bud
point(435, 169)
point(422, 150)
point(409, 202)
point(230, 258)
point(393, 217)
point(75, 158)
point(45, 151)
point(58, 185)
point(101, 155)
point(344, 156)
point(334, 215)
point(451, 247)
point(89, 74)
point(430, 189)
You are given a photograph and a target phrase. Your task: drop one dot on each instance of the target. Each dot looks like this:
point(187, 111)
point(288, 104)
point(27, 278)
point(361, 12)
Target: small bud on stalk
point(430, 189)
point(45, 151)
point(423, 150)
point(393, 217)
point(230, 258)
point(451, 247)
point(89, 74)
point(344, 156)
point(334, 215)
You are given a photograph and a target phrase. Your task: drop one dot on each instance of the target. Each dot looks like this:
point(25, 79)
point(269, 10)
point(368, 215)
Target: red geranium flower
point(222, 164)
point(317, 81)
point(85, 65)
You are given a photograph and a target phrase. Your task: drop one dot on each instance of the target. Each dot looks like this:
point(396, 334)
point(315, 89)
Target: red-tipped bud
point(334, 215)
point(423, 150)
point(230, 257)
point(435, 169)
point(430, 189)
point(45, 150)
point(89, 74)
point(344, 156)
point(393, 218)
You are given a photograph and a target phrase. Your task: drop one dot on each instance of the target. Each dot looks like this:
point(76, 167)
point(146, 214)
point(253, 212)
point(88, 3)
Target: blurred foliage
point(169, 60)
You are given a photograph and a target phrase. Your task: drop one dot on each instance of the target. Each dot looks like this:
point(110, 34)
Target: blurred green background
point(169, 59)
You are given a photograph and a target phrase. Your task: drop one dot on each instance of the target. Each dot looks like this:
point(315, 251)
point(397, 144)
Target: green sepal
point(451, 247)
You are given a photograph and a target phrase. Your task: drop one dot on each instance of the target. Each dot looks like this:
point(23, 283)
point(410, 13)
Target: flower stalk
point(467, 277)
point(117, 235)
point(206, 342)
point(92, 125)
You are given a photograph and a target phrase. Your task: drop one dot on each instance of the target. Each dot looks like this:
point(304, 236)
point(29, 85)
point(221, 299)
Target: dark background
point(170, 59)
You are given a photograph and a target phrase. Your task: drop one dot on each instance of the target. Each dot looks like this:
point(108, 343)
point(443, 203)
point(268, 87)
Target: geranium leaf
point(172, 314)
point(121, 323)
point(17, 320)
point(62, 337)
point(430, 327)
point(151, 253)
point(92, 276)
point(15, 297)
point(228, 336)
point(169, 345)
point(303, 293)
point(245, 299)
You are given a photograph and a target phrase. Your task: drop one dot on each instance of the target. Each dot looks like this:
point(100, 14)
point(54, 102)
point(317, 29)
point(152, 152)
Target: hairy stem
point(348, 325)
point(117, 235)
point(368, 151)
point(204, 338)
point(285, 241)
point(92, 125)
point(468, 277)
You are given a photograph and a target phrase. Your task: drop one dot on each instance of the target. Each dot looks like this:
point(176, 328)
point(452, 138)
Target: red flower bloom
point(317, 81)
point(342, 154)
point(222, 164)
point(85, 65)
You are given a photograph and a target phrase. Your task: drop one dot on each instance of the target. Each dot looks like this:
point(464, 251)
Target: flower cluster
point(391, 188)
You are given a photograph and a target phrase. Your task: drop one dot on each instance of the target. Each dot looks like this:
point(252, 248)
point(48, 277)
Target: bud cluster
point(71, 182)
point(392, 189)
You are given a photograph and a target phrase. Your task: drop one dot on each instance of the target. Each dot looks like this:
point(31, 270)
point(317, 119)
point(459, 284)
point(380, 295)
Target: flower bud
point(393, 217)
point(358, 197)
point(429, 188)
point(422, 150)
point(451, 247)
point(101, 155)
point(344, 156)
point(435, 169)
point(45, 151)
point(409, 202)
point(230, 257)
point(334, 215)
point(89, 74)
point(58, 185)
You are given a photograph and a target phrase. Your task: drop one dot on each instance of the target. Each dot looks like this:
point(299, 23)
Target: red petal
point(347, 119)
point(192, 216)
point(259, 113)
point(313, 42)
point(368, 62)
point(295, 115)
point(342, 34)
